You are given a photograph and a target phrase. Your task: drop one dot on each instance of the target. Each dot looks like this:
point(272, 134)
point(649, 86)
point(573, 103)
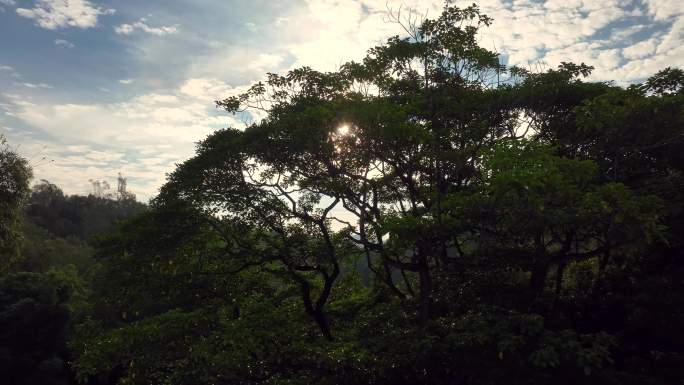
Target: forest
point(427, 215)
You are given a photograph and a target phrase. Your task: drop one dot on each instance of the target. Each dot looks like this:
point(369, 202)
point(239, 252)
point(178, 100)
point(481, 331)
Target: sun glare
point(343, 130)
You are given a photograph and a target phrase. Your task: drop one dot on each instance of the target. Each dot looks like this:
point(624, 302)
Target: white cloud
point(126, 81)
point(6, 68)
point(36, 85)
point(566, 30)
point(543, 27)
point(673, 39)
point(64, 43)
point(53, 14)
point(640, 50)
point(251, 26)
point(343, 30)
point(622, 34)
point(664, 9)
point(205, 89)
point(156, 130)
point(127, 29)
point(239, 65)
point(609, 58)
point(6, 3)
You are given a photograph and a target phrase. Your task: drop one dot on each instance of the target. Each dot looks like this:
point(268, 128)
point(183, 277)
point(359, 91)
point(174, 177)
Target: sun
point(343, 130)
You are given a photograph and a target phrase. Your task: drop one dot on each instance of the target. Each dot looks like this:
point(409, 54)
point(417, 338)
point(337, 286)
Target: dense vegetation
point(45, 285)
point(425, 216)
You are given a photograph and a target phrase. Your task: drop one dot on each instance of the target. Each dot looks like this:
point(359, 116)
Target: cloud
point(526, 32)
point(626, 33)
point(205, 89)
point(64, 43)
point(9, 70)
point(54, 14)
point(238, 65)
point(36, 85)
point(640, 50)
point(673, 40)
point(153, 130)
point(617, 37)
point(664, 9)
point(126, 81)
point(251, 26)
point(341, 31)
point(127, 29)
point(6, 3)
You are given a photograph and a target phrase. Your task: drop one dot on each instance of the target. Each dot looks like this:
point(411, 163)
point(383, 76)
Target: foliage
point(42, 251)
point(15, 174)
point(81, 217)
point(33, 323)
point(45, 287)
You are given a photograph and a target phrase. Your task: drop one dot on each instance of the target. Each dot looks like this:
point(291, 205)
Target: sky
point(93, 88)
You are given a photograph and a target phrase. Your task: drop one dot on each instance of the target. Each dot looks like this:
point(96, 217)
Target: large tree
point(388, 148)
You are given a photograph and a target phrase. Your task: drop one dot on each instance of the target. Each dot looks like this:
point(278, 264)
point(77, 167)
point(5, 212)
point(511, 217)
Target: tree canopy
point(14, 189)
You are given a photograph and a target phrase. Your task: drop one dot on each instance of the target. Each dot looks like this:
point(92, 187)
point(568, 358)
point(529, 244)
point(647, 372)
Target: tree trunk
point(314, 311)
point(538, 278)
point(425, 294)
point(323, 324)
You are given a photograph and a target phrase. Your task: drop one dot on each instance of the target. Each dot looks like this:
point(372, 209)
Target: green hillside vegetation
point(46, 285)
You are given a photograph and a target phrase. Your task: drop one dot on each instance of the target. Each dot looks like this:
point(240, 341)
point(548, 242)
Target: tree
point(15, 174)
point(174, 301)
point(401, 150)
point(81, 217)
point(33, 324)
point(390, 142)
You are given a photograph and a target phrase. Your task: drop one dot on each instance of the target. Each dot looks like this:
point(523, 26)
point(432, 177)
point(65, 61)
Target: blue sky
point(102, 87)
